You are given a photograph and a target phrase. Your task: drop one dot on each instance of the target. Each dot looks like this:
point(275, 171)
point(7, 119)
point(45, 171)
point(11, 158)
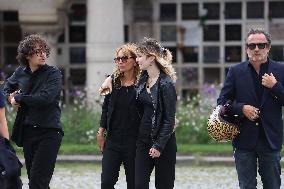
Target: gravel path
point(87, 176)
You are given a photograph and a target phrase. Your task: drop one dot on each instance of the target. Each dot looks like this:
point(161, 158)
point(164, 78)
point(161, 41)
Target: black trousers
point(40, 151)
point(164, 166)
point(118, 150)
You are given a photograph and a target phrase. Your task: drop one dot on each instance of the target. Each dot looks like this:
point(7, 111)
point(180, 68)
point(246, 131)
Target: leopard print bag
point(219, 128)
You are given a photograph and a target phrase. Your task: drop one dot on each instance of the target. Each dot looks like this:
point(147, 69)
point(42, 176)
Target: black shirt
point(120, 124)
point(259, 88)
point(145, 100)
point(39, 97)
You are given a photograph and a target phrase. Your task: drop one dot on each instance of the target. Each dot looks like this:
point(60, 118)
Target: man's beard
point(259, 59)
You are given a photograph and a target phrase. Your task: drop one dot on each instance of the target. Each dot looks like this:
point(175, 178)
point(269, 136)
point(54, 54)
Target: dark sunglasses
point(252, 46)
point(123, 59)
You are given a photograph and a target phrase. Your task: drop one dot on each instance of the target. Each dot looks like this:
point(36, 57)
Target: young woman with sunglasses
point(120, 121)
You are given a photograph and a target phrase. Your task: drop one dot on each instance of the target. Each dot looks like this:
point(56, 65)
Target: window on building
point(71, 50)
point(168, 33)
point(61, 37)
point(211, 75)
point(255, 9)
point(12, 33)
point(173, 50)
point(126, 33)
point(190, 54)
point(213, 10)
point(167, 11)
point(78, 12)
point(211, 33)
point(78, 76)
point(10, 56)
point(190, 11)
point(233, 32)
point(77, 34)
point(211, 54)
point(77, 55)
point(233, 53)
point(142, 11)
point(276, 9)
point(189, 77)
point(233, 10)
point(277, 52)
point(10, 16)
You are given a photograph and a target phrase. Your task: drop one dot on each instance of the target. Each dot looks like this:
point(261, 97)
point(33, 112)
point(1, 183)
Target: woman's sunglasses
point(123, 59)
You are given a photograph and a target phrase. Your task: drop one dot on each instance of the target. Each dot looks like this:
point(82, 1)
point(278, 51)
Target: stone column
point(104, 35)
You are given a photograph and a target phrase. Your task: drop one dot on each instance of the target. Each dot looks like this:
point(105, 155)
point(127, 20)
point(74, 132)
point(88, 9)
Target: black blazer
point(239, 87)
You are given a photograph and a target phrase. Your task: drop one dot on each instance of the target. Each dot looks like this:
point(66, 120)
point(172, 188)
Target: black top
point(39, 95)
point(145, 100)
point(259, 88)
point(120, 124)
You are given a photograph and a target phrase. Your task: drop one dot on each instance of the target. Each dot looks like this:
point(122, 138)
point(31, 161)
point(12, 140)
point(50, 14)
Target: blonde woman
point(120, 119)
point(156, 96)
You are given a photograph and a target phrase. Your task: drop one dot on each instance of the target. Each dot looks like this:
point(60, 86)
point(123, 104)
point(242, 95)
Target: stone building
point(205, 36)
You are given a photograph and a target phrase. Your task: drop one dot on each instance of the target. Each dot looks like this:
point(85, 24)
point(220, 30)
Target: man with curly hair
point(34, 89)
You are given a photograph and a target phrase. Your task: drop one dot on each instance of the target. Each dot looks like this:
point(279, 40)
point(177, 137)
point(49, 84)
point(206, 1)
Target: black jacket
point(109, 106)
point(39, 96)
point(239, 87)
point(10, 166)
point(164, 101)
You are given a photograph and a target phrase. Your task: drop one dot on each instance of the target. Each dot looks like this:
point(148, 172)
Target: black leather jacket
point(164, 101)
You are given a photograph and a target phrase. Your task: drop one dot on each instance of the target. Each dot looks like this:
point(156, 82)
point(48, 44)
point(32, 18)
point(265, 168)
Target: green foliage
point(192, 114)
point(79, 124)
point(80, 119)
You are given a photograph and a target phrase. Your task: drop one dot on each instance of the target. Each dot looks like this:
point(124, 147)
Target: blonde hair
point(129, 50)
point(150, 46)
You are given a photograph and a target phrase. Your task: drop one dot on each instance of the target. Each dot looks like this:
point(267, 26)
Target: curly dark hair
point(28, 47)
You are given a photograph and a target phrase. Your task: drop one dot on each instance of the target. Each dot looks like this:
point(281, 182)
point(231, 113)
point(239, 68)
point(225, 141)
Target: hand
point(268, 80)
point(106, 87)
point(154, 153)
point(176, 123)
point(13, 94)
point(252, 113)
point(101, 141)
point(14, 103)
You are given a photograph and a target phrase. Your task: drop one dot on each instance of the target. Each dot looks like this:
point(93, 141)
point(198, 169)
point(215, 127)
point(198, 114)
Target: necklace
point(127, 83)
point(149, 82)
